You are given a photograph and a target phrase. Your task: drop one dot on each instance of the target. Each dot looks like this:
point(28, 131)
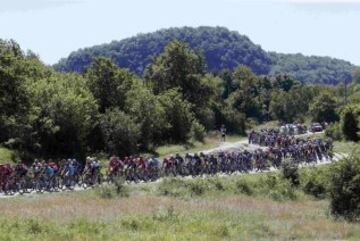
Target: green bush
point(106, 191)
point(345, 188)
point(121, 134)
point(112, 190)
point(315, 182)
point(173, 186)
point(198, 187)
point(349, 123)
point(315, 188)
point(121, 189)
point(178, 187)
point(197, 131)
point(334, 131)
point(290, 171)
point(276, 187)
point(243, 186)
point(283, 191)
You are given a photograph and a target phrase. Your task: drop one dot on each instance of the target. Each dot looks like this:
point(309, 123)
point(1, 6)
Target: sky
point(54, 28)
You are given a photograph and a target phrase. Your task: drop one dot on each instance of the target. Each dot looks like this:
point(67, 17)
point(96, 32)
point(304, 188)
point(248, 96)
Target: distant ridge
point(222, 48)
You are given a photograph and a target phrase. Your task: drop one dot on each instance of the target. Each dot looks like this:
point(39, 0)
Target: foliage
point(356, 75)
point(323, 108)
point(178, 115)
point(112, 190)
point(146, 110)
point(109, 84)
point(315, 181)
point(6, 155)
point(16, 70)
point(345, 188)
point(277, 188)
point(222, 49)
point(121, 134)
point(244, 186)
point(313, 69)
point(350, 122)
point(197, 131)
point(64, 114)
point(334, 131)
point(290, 171)
point(290, 106)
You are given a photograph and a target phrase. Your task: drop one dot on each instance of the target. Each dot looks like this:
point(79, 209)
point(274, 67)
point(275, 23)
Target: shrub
point(198, 187)
point(218, 184)
point(121, 189)
point(197, 131)
point(178, 114)
point(112, 190)
point(277, 188)
point(172, 187)
point(315, 182)
point(334, 131)
point(120, 132)
point(105, 191)
point(243, 186)
point(315, 188)
point(283, 191)
point(345, 188)
point(290, 171)
point(350, 122)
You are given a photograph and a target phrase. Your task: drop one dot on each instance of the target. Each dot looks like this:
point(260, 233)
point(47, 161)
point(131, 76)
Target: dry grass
point(253, 217)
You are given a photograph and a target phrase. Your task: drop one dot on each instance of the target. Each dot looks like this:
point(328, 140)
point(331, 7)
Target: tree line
point(45, 113)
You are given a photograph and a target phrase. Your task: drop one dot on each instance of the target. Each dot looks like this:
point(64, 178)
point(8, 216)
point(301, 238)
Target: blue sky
point(54, 28)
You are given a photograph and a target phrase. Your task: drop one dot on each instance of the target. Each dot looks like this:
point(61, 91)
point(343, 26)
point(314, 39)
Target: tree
point(345, 188)
point(246, 97)
point(350, 122)
point(14, 101)
point(109, 84)
point(64, 113)
point(178, 115)
point(177, 67)
point(292, 105)
point(121, 133)
point(323, 108)
point(356, 75)
point(17, 70)
point(145, 109)
point(182, 68)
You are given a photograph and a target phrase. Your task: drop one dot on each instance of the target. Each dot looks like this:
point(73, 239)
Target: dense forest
point(45, 113)
point(222, 49)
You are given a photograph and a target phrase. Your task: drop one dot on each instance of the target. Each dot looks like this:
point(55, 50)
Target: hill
point(222, 49)
point(313, 69)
